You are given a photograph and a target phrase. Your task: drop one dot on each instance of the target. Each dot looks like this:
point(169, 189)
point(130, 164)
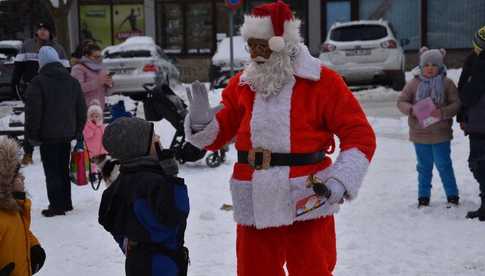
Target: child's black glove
point(37, 258)
point(6, 270)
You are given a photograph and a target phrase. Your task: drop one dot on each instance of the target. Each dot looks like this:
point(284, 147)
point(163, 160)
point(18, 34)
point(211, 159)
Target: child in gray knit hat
point(146, 207)
point(432, 142)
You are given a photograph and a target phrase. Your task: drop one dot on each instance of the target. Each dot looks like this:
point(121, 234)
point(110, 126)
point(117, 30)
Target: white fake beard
point(268, 78)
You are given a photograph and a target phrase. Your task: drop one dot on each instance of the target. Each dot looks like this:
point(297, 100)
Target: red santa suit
point(303, 118)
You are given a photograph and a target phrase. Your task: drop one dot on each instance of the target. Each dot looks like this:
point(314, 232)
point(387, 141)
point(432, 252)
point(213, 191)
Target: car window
point(358, 32)
point(128, 54)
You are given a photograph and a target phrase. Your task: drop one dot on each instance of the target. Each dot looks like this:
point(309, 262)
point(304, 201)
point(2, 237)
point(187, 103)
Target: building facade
point(188, 30)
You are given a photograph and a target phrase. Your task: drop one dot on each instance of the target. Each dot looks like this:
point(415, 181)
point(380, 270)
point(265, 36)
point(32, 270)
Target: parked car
point(220, 71)
point(136, 62)
point(8, 51)
point(365, 52)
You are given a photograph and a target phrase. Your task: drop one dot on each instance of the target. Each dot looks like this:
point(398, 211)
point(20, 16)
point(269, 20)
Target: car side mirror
point(405, 42)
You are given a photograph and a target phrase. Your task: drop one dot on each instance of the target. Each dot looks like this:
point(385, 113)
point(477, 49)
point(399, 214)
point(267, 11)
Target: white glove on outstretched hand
point(200, 112)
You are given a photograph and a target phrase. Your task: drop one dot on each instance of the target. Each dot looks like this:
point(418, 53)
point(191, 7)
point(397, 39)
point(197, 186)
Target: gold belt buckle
point(266, 156)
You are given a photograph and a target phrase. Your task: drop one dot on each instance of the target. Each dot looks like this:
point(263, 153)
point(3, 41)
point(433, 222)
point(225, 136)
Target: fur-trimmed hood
point(9, 162)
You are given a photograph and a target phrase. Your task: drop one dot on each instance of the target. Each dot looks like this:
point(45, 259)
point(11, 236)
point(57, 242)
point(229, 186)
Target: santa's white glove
point(337, 190)
point(199, 109)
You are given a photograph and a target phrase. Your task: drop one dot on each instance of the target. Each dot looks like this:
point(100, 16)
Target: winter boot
point(50, 212)
point(480, 213)
point(454, 200)
point(27, 159)
point(423, 202)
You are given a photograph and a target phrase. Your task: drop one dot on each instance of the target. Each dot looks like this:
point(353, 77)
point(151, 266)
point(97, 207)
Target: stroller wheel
point(213, 160)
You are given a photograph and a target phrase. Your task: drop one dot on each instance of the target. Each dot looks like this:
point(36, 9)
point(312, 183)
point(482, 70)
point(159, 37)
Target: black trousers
point(476, 161)
point(28, 148)
point(55, 160)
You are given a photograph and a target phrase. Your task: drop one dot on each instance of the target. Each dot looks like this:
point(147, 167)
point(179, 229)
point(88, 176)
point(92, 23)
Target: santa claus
point(283, 111)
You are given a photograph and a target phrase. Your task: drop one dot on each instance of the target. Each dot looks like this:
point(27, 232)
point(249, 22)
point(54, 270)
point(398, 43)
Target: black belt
point(263, 159)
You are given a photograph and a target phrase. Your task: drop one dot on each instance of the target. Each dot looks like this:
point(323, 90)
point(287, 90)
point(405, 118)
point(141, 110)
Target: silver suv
point(365, 52)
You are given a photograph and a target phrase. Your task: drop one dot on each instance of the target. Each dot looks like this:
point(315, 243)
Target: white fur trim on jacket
point(306, 66)
point(349, 169)
point(203, 138)
point(242, 198)
point(270, 129)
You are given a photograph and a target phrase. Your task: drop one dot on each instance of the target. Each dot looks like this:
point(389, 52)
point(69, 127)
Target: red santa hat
point(273, 22)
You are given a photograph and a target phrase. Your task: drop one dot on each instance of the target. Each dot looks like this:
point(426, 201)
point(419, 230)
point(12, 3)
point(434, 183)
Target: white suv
point(365, 52)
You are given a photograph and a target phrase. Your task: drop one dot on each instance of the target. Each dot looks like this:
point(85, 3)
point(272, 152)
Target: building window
point(109, 24)
point(199, 28)
point(453, 24)
point(171, 28)
point(186, 28)
point(402, 15)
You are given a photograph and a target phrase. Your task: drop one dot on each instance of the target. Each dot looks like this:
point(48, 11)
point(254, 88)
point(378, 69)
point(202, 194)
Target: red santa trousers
point(308, 248)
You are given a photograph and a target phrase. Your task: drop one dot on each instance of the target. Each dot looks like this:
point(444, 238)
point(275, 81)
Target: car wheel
point(398, 81)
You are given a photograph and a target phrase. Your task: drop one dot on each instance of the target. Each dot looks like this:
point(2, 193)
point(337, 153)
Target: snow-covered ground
point(380, 233)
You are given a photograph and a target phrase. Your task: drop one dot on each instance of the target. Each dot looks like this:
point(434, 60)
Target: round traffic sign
point(234, 4)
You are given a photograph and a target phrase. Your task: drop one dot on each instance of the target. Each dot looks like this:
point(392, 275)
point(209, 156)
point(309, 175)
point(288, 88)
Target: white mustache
point(260, 59)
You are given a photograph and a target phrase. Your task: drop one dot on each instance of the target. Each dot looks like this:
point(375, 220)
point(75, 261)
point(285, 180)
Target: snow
point(380, 233)
point(11, 43)
point(222, 55)
point(133, 43)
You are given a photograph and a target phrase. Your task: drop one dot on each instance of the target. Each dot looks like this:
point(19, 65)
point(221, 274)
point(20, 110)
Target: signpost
point(233, 5)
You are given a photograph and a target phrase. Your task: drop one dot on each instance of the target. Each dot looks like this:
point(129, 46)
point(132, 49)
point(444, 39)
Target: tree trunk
point(62, 31)
point(59, 15)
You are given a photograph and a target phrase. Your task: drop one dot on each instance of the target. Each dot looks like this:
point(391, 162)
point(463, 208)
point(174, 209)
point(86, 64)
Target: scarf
point(92, 65)
point(432, 87)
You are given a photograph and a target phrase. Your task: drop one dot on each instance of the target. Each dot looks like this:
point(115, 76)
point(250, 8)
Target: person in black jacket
point(472, 116)
point(146, 207)
point(26, 67)
point(55, 113)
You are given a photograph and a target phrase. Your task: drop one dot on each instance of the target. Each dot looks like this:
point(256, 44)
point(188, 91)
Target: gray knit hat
point(433, 56)
point(128, 138)
point(479, 39)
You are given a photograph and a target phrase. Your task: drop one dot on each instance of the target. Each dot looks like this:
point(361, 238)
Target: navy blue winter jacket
point(146, 211)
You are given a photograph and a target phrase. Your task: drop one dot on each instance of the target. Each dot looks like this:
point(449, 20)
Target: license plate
point(358, 52)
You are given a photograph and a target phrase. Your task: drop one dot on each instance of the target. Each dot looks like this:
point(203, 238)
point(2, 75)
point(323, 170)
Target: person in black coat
point(26, 67)
point(55, 114)
point(146, 207)
point(472, 116)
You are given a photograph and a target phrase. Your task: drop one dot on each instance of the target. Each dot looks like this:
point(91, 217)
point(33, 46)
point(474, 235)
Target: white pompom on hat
point(273, 22)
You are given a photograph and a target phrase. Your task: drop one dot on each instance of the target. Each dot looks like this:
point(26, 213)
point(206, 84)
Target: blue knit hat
point(47, 54)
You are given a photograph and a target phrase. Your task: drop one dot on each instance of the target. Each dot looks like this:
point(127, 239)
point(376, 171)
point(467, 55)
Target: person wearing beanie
point(20, 252)
point(26, 67)
point(283, 111)
point(472, 115)
point(92, 75)
point(146, 207)
point(432, 142)
point(55, 113)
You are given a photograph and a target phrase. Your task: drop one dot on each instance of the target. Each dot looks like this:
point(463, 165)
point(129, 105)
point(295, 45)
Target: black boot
point(50, 212)
point(423, 202)
point(480, 213)
point(455, 200)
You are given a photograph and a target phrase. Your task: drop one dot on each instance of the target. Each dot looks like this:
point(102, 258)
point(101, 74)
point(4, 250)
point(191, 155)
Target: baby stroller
point(162, 103)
